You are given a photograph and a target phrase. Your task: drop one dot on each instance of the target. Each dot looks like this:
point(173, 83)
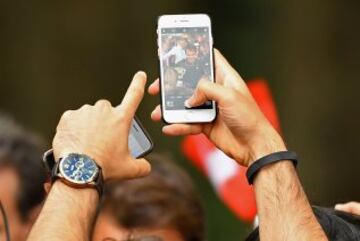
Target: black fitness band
point(266, 160)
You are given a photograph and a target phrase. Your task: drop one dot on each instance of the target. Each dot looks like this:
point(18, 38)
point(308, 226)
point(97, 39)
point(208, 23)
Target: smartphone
point(185, 52)
point(139, 142)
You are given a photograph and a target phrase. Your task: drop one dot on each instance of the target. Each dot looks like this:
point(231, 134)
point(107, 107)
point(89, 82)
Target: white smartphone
point(186, 55)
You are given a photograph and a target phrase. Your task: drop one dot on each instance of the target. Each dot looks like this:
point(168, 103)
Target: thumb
point(142, 166)
point(206, 90)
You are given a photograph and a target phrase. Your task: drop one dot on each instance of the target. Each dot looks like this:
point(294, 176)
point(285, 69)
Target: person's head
point(182, 42)
point(21, 178)
point(162, 206)
point(337, 225)
point(191, 53)
point(204, 48)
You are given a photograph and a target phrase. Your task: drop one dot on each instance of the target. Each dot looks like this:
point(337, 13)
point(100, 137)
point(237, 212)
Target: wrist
point(60, 190)
point(265, 143)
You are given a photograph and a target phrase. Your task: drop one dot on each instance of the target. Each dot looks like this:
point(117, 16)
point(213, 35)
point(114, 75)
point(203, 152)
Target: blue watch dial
point(78, 168)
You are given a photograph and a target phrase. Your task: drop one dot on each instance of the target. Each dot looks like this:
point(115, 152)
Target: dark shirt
point(337, 225)
point(193, 72)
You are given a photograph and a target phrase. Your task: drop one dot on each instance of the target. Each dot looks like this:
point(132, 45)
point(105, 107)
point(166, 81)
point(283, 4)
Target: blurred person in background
point(161, 206)
point(21, 178)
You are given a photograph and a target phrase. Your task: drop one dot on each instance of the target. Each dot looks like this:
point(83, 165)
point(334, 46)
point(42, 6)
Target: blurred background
point(58, 55)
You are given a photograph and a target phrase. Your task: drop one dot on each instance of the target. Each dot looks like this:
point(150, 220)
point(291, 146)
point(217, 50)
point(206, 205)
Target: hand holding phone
point(139, 142)
point(186, 57)
point(240, 130)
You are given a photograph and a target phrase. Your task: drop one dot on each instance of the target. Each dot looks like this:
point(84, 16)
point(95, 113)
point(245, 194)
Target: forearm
point(68, 214)
point(283, 209)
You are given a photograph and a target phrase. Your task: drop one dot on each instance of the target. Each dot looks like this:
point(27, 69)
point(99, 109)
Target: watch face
point(78, 168)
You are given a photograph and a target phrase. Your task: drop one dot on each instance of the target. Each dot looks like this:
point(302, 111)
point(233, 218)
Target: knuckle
point(143, 169)
point(86, 106)
point(103, 102)
point(231, 96)
point(353, 204)
point(66, 114)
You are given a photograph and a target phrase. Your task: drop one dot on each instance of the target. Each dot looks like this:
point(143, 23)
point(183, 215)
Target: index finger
point(134, 95)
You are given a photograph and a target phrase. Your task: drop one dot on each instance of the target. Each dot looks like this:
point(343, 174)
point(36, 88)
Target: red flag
point(227, 177)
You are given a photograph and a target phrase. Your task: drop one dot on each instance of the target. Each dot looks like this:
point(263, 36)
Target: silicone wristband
point(269, 159)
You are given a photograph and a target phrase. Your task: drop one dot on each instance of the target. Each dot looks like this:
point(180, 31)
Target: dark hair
point(191, 47)
point(21, 150)
point(337, 225)
point(164, 199)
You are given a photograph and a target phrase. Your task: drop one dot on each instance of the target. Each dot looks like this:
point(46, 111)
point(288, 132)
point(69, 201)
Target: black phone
point(140, 144)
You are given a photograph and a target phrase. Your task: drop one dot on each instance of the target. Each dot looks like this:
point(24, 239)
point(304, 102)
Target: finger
point(84, 107)
point(133, 95)
point(143, 167)
point(224, 71)
point(207, 90)
point(351, 207)
point(154, 88)
point(156, 114)
point(221, 66)
point(182, 129)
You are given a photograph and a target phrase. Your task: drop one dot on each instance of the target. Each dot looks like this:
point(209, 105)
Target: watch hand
point(75, 172)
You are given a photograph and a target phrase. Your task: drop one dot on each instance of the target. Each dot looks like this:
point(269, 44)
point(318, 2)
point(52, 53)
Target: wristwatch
point(75, 170)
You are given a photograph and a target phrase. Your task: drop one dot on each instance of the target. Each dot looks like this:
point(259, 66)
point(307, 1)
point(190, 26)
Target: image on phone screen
point(185, 56)
point(139, 142)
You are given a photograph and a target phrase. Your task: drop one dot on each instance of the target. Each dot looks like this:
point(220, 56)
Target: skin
point(68, 213)
point(19, 228)
point(350, 207)
point(240, 130)
point(243, 133)
point(106, 229)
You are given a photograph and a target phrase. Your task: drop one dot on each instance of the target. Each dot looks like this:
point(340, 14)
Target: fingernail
point(141, 73)
point(187, 104)
point(164, 128)
point(338, 206)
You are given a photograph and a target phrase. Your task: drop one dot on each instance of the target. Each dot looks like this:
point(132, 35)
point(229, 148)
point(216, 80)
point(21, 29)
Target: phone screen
point(139, 141)
point(185, 55)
